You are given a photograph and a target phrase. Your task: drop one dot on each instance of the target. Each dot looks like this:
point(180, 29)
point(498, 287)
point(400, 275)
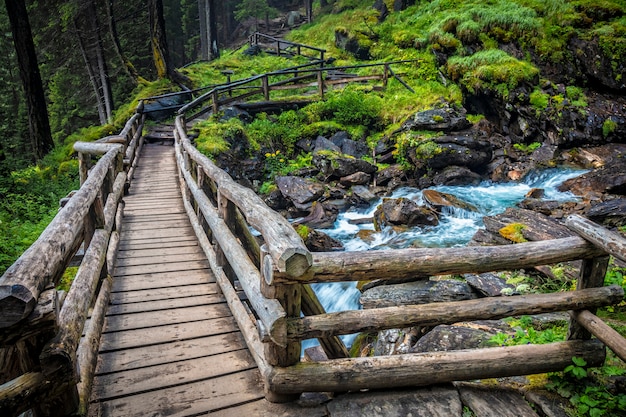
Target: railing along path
point(265, 280)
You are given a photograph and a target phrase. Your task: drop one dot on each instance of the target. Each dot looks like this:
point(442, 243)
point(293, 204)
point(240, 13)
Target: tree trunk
point(127, 64)
point(158, 39)
point(92, 76)
point(204, 44)
point(39, 125)
point(87, 31)
point(211, 15)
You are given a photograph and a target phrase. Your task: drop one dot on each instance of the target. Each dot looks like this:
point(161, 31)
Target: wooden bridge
point(177, 308)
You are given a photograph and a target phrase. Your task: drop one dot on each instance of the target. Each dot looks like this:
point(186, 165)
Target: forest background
point(94, 58)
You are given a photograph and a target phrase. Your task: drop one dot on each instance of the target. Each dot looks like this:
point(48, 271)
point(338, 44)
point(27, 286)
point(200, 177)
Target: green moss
point(491, 69)
point(213, 136)
point(527, 148)
point(303, 231)
point(539, 100)
point(608, 127)
point(513, 232)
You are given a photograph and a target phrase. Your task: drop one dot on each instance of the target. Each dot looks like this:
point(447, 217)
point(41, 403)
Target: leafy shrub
point(213, 137)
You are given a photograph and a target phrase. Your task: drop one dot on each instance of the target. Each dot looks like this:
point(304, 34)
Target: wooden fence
point(275, 275)
point(283, 47)
point(41, 349)
point(304, 77)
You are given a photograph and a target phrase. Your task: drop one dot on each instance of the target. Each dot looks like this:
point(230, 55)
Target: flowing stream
point(456, 226)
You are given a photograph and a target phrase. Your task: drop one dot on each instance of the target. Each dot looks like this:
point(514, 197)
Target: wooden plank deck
point(170, 346)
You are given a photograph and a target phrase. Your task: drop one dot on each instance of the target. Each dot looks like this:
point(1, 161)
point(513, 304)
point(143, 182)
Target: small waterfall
point(456, 226)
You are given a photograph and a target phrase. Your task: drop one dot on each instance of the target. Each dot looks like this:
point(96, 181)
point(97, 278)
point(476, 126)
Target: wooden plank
point(154, 243)
point(140, 357)
point(165, 317)
point(156, 294)
point(487, 402)
point(183, 247)
point(192, 255)
point(126, 383)
point(156, 225)
point(189, 399)
point(162, 280)
point(167, 304)
point(132, 218)
point(164, 334)
point(156, 234)
point(150, 269)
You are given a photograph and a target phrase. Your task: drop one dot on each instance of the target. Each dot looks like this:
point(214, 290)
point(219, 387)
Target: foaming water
point(456, 226)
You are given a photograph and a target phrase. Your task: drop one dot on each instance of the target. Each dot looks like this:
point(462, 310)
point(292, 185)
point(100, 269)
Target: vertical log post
point(386, 75)
point(266, 87)
point(320, 83)
point(278, 47)
point(226, 210)
point(216, 101)
point(592, 274)
point(290, 297)
point(333, 346)
point(84, 162)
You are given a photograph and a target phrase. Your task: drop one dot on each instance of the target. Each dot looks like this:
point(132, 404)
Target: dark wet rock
point(445, 338)
point(384, 176)
point(456, 175)
point(353, 148)
point(596, 157)
point(276, 200)
point(433, 401)
point(535, 193)
point(488, 284)
point(300, 190)
point(545, 155)
point(235, 112)
point(546, 207)
point(350, 44)
point(419, 292)
point(610, 213)
point(360, 197)
point(403, 212)
point(459, 150)
point(381, 8)
point(323, 144)
point(317, 241)
point(358, 178)
point(536, 226)
point(336, 165)
point(322, 216)
point(609, 179)
point(438, 200)
point(446, 119)
point(165, 107)
point(596, 66)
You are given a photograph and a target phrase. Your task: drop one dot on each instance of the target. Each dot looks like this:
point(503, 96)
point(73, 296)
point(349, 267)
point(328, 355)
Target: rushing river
point(456, 226)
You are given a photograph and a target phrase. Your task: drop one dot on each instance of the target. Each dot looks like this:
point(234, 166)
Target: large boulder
point(300, 191)
point(337, 165)
point(438, 200)
point(456, 175)
point(445, 119)
point(610, 179)
point(403, 212)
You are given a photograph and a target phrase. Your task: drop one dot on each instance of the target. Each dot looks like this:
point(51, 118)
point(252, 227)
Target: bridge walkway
point(170, 345)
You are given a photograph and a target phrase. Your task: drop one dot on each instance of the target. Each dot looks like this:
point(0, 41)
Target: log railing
point(281, 46)
point(285, 310)
point(302, 77)
point(47, 345)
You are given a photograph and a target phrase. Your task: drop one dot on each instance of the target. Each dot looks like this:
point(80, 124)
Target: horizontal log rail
point(354, 321)
point(416, 262)
point(33, 313)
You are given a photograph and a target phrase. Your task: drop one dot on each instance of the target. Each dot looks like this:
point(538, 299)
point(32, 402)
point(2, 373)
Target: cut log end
point(295, 262)
point(16, 303)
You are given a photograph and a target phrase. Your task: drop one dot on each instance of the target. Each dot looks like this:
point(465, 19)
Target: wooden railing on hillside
point(42, 354)
point(283, 47)
point(302, 77)
point(276, 274)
